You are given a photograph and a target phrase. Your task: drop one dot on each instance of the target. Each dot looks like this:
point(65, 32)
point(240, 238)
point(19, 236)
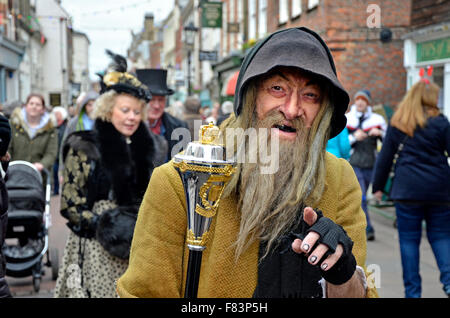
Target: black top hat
point(155, 79)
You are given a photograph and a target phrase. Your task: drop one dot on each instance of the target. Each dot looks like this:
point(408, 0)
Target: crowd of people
point(299, 232)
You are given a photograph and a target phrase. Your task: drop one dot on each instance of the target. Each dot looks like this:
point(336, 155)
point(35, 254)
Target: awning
point(229, 85)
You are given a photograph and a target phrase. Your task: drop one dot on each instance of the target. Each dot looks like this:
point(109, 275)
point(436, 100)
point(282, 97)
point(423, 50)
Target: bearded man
point(294, 231)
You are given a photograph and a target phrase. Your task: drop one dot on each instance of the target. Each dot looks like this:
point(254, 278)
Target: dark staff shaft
point(193, 274)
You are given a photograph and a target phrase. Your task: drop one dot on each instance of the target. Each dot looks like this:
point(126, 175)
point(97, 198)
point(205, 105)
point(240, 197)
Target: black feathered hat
point(295, 47)
point(156, 80)
point(118, 79)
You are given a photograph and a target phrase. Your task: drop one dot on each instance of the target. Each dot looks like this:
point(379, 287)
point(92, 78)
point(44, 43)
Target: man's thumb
point(309, 216)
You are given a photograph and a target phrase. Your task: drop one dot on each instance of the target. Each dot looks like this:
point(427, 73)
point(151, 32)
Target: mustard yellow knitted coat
point(158, 258)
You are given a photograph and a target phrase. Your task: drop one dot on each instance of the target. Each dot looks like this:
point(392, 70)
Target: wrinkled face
point(156, 107)
point(294, 94)
point(126, 114)
point(361, 104)
point(34, 108)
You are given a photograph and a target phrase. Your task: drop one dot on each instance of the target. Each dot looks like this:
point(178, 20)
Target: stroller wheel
point(36, 284)
point(54, 259)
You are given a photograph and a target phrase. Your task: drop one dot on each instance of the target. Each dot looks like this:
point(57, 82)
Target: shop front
point(10, 57)
point(430, 46)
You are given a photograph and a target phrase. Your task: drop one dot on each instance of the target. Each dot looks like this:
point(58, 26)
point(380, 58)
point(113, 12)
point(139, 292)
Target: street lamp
point(189, 35)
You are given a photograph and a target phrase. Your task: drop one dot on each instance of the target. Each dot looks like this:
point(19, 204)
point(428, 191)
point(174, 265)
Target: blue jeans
point(364, 176)
point(409, 222)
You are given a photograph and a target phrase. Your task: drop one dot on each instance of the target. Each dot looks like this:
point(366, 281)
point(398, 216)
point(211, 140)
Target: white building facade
point(80, 63)
point(54, 21)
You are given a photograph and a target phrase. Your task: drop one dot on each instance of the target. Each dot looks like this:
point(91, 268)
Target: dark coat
point(117, 171)
point(5, 136)
point(422, 172)
point(4, 289)
point(170, 124)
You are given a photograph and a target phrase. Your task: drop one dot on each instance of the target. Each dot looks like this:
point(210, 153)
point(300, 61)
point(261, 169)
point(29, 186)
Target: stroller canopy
point(24, 184)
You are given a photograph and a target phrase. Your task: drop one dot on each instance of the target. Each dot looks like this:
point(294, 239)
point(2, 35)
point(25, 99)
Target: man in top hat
point(364, 128)
point(161, 122)
point(295, 231)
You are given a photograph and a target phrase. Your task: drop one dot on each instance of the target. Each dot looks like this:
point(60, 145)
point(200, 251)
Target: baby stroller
point(28, 222)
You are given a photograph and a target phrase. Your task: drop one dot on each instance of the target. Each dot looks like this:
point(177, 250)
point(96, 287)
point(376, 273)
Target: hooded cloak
point(300, 48)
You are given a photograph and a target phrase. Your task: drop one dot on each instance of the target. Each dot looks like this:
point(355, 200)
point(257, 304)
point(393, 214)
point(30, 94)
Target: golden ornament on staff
point(204, 172)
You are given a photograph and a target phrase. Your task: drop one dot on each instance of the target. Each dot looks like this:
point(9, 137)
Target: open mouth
point(285, 128)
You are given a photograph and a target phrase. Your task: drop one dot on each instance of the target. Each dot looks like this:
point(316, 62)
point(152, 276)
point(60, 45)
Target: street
point(382, 255)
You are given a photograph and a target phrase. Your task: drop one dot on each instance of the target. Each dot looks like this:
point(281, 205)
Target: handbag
point(388, 186)
point(115, 230)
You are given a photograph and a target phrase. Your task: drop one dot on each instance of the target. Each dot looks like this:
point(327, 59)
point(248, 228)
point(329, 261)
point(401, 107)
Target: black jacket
point(170, 124)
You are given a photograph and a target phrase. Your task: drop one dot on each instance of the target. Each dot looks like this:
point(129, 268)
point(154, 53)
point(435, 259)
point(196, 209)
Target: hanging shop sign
point(211, 14)
point(207, 55)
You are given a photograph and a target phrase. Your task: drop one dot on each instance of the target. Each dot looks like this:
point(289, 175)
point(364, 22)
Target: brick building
point(366, 41)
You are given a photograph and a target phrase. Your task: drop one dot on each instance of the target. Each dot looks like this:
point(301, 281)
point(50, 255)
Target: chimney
point(149, 27)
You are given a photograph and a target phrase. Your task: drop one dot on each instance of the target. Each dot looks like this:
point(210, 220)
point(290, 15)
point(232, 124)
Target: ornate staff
point(204, 171)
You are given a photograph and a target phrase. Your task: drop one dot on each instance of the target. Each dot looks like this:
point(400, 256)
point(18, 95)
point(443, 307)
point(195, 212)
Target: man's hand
point(375, 132)
point(360, 135)
point(326, 244)
point(305, 245)
point(378, 195)
point(6, 157)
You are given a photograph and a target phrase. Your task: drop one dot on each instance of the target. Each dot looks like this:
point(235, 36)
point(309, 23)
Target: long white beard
point(268, 201)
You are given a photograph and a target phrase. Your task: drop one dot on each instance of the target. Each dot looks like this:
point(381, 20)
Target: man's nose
point(292, 107)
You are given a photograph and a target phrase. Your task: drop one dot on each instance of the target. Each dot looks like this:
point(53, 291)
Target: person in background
point(83, 120)
point(192, 116)
point(227, 109)
point(365, 128)
point(106, 172)
point(214, 114)
point(34, 134)
point(5, 137)
point(61, 115)
point(421, 185)
point(176, 109)
point(161, 122)
point(340, 145)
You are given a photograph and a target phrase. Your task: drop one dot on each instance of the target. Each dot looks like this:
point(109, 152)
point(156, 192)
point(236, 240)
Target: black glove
point(5, 135)
point(332, 234)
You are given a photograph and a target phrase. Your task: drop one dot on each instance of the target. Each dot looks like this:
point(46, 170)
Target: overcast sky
point(108, 24)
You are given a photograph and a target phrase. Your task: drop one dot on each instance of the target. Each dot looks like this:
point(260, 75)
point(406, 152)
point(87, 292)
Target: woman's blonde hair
point(419, 103)
point(104, 105)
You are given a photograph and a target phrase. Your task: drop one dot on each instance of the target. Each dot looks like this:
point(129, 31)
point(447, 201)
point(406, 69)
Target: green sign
point(211, 14)
point(433, 50)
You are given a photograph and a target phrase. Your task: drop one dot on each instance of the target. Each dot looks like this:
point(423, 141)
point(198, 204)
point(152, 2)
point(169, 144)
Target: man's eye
point(312, 96)
point(277, 91)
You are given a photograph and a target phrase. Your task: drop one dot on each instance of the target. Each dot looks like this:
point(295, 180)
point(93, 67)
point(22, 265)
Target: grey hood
point(295, 47)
